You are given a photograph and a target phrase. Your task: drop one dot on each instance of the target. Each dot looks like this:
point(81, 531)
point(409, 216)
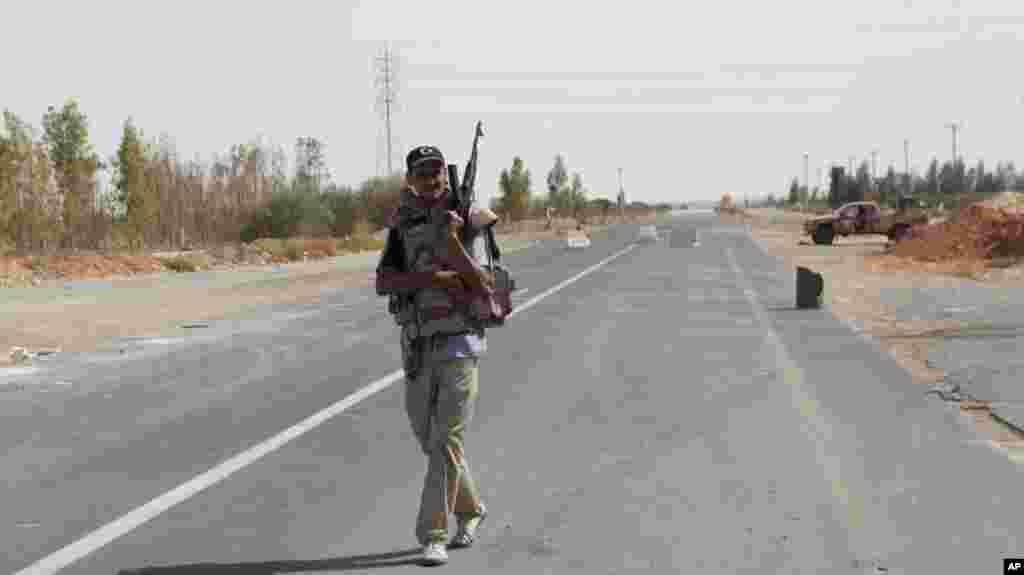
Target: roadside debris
point(948, 391)
point(21, 355)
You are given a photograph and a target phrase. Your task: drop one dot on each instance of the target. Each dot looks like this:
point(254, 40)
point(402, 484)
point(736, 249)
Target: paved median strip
point(137, 517)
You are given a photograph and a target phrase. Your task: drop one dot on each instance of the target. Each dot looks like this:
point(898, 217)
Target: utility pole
point(821, 181)
point(874, 170)
point(387, 83)
point(954, 176)
point(622, 196)
point(906, 159)
point(807, 184)
point(954, 127)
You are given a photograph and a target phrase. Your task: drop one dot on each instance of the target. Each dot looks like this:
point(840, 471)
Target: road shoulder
point(912, 311)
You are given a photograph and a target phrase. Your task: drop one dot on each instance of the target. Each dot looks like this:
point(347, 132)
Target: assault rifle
point(491, 284)
point(464, 193)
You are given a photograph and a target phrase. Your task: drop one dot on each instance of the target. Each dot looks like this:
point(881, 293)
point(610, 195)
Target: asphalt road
point(655, 408)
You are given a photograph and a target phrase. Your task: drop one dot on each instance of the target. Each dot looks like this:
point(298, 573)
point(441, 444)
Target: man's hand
point(455, 222)
point(448, 280)
point(485, 279)
point(477, 280)
point(473, 277)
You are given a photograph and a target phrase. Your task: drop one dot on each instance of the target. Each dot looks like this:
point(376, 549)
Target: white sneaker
point(435, 554)
point(466, 534)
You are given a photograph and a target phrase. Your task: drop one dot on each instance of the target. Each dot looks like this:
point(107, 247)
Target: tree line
point(51, 197)
point(566, 195)
point(941, 183)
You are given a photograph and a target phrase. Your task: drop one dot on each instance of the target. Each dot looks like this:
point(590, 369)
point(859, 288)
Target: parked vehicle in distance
point(865, 218)
point(647, 235)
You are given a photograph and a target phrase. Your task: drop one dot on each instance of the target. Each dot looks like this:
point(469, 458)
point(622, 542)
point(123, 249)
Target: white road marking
point(94, 540)
point(17, 370)
point(520, 248)
point(691, 212)
point(537, 298)
point(819, 430)
point(860, 333)
point(163, 340)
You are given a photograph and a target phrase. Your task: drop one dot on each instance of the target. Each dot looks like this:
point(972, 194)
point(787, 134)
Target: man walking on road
point(442, 343)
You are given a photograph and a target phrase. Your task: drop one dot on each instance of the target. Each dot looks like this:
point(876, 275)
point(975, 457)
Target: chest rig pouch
point(423, 234)
point(496, 307)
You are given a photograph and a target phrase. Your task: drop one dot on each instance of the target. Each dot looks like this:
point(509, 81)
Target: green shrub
point(293, 250)
point(343, 206)
point(285, 214)
point(179, 264)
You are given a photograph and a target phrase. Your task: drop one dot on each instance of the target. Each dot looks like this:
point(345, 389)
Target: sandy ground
point(142, 307)
point(856, 270)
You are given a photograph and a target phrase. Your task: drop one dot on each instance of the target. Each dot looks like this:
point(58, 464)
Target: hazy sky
point(690, 99)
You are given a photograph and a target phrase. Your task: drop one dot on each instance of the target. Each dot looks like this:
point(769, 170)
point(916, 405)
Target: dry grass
point(89, 265)
point(32, 270)
point(359, 243)
point(296, 249)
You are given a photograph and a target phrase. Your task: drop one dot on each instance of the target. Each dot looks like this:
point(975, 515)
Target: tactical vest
point(433, 311)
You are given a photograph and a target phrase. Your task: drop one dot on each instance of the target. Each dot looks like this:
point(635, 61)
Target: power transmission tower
point(955, 127)
point(386, 83)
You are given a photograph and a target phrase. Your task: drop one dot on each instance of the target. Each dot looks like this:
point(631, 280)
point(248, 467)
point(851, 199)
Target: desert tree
point(515, 190)
point(66, 134)
point(557, 179)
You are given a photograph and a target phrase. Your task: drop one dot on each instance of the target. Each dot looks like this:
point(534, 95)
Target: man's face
point(428, 179)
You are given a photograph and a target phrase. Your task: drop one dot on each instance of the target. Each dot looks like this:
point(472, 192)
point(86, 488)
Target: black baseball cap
point(423, 155)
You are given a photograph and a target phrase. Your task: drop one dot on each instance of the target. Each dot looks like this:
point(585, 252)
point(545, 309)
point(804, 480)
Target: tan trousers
point(440, 402)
